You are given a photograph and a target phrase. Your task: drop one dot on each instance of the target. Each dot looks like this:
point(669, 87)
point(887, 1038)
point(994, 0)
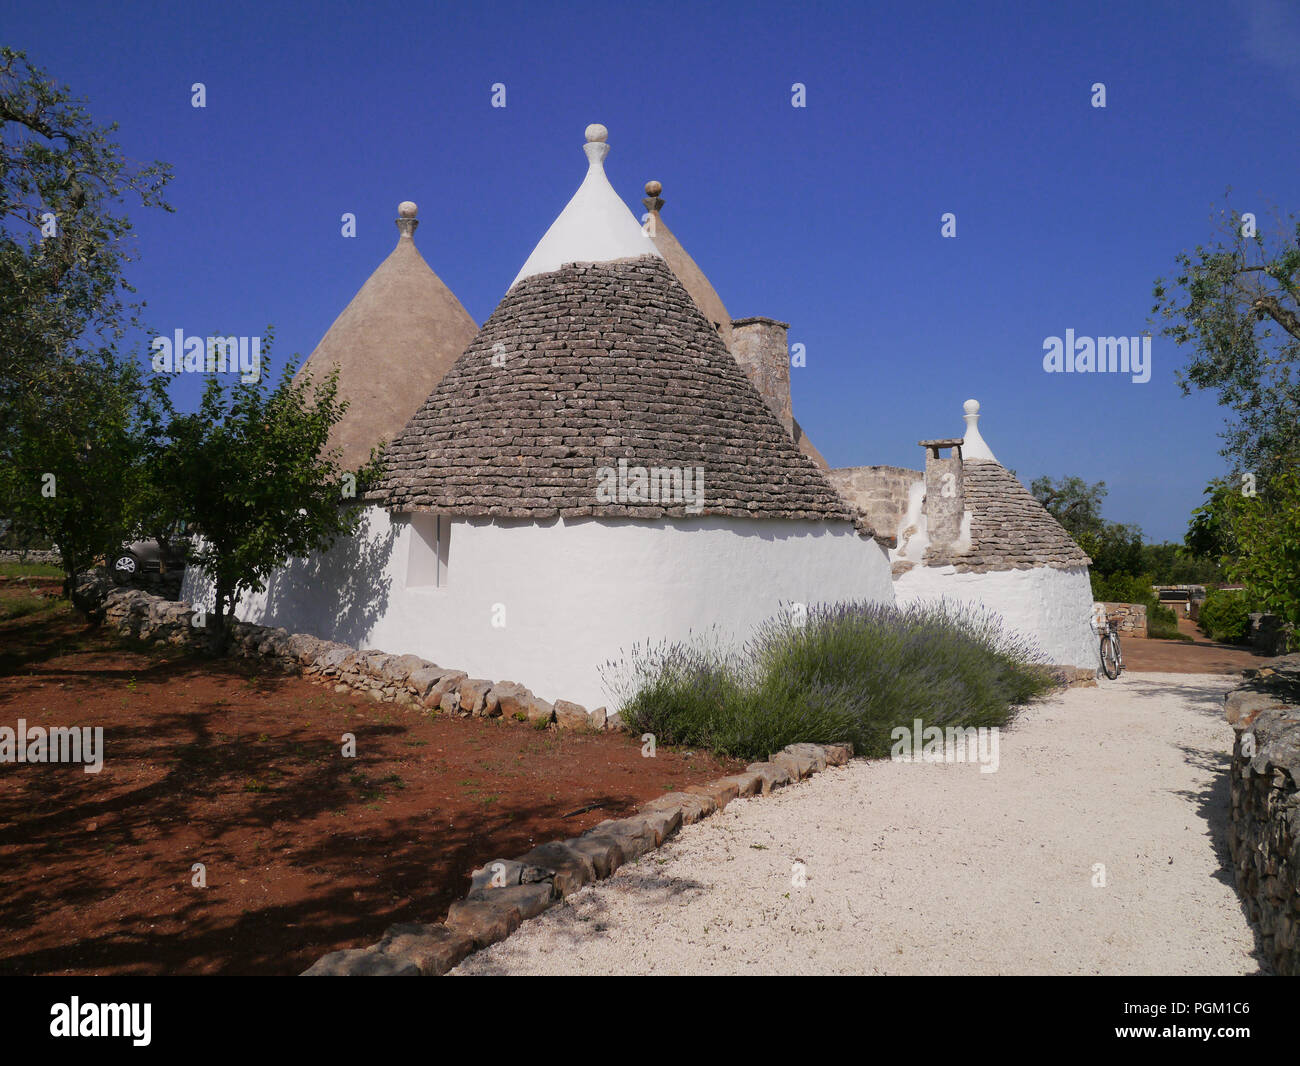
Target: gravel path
point(930, 868)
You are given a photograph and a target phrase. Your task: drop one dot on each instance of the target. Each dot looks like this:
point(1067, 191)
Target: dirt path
point(932, 868)
point(1200, 656)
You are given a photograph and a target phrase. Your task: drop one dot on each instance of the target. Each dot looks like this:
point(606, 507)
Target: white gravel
point(932, 868)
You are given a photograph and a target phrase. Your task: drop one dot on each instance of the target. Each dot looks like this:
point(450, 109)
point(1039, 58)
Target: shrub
point(1162, 621)
point(1225, 616)
point(853, 672)
point(1124, 588)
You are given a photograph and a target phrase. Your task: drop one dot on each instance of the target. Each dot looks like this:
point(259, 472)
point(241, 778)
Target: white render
point(1051, 607)
point(572, 595)
point(595, 226)
point(973, 444)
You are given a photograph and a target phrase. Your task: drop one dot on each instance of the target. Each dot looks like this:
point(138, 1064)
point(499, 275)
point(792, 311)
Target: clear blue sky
point(827, 217)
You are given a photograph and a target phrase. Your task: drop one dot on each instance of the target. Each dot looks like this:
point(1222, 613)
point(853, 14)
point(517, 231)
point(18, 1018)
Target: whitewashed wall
point(1051, 607)
point(574, 594)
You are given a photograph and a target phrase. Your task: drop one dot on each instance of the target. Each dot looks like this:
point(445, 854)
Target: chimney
point(759, 345)
point(945, 493)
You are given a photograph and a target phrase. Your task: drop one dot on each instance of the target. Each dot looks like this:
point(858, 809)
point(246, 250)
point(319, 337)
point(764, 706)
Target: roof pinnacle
point(406, 220)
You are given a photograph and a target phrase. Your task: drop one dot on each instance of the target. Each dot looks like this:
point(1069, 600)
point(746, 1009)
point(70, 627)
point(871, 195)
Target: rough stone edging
point(1264, 812)
point(538, 880)
point(404, 679)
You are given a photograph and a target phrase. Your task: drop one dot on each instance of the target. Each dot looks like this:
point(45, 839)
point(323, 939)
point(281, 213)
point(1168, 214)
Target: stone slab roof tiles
point(1010, 530)
point(583, 366)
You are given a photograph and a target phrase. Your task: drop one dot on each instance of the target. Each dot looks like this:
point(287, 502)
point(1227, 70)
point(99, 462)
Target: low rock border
point(1264, 817)
point(403, 679)
point(504, 893)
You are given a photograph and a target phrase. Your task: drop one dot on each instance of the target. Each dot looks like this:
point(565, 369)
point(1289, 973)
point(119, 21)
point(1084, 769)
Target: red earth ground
point(1201, 656)
point(208, 761)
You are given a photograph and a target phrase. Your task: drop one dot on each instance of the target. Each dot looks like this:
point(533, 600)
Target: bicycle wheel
point(1109, 657)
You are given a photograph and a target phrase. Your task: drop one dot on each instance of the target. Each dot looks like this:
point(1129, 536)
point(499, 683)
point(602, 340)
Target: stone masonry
point(1264, 827)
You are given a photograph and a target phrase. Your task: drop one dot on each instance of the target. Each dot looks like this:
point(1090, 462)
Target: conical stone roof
point(685, 268)
point(393, 343)
point(701, 290)
point(584, 366)
point(1009, 528)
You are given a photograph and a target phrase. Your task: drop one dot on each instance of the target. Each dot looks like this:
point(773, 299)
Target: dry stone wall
point(879, 493)
point(1132, 618)
point(403, 679)
point(1264, 826)
point(51, 558)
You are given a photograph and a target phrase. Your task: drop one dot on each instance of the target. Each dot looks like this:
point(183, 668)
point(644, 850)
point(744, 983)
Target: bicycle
point(1112, 659)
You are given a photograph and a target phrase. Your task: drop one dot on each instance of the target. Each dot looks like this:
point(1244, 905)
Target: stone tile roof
point(581, 367)
point(1010, 530)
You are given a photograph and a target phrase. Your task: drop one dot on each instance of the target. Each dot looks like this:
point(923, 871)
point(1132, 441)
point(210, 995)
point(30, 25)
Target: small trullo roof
point(392, 343)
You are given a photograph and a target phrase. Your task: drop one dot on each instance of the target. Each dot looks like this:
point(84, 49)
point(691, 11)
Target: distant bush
point(1225, 617)
point(1124, 588)
point(853, 672)
point(1162, 623)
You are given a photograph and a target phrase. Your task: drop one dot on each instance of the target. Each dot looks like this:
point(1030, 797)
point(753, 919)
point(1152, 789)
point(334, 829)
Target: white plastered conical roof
point(973, 445)
point(595, 226)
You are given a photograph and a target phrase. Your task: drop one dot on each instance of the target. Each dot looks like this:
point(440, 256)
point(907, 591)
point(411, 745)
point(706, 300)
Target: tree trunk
point(223, 630)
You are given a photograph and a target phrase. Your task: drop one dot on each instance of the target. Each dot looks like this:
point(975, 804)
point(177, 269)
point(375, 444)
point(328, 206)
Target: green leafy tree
point(1236, 304)
point(68, 475)
point(1113, 547)
point(70, 405)
point(255, 479)
point(1258, 537)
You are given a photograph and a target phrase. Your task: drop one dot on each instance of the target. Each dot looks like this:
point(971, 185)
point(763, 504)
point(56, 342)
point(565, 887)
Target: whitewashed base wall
point(1051, 607)
point(571, 595)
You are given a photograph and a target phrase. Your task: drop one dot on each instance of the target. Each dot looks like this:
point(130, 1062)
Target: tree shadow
point(339, 594)
point(1213, 805)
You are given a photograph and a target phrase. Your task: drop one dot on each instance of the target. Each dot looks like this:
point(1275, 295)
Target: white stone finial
point(406, 220)
point(595, 226)
point(597, 146)
point(973, 445)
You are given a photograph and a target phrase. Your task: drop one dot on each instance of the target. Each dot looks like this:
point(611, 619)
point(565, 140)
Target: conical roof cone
point(688, 272)
point(602, 365)
point(595, 226)
point(392, 343)
point(1009, 528)
point(701, 290)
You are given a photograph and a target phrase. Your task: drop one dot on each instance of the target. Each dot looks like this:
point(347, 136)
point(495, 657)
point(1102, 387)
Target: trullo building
point(595, 471)
point(965, 529)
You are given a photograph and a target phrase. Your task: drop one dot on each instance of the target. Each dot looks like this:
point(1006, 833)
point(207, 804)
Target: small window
point(426, 565)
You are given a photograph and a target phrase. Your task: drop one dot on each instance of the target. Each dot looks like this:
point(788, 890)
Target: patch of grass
point(853, 672)
point(24, 604)
point(30, 570)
